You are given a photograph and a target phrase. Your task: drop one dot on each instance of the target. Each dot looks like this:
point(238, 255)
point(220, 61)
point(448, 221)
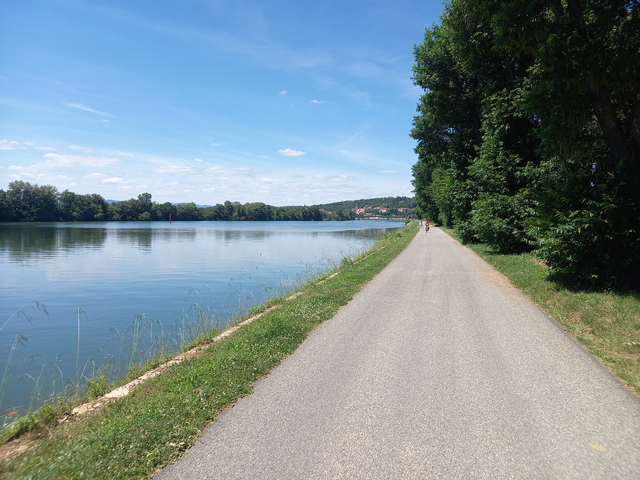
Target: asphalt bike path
point(438, 368)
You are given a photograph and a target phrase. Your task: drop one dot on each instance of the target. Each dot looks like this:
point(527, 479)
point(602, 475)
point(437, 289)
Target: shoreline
point(283, 310)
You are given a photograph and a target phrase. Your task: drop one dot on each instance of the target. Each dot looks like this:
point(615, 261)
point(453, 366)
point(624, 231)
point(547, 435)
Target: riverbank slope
point(162, 417)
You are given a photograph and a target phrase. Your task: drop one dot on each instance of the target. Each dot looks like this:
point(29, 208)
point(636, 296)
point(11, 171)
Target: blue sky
point(283, 102)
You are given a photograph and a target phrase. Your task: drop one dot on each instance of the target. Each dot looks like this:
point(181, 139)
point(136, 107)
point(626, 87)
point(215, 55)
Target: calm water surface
point(122, 281)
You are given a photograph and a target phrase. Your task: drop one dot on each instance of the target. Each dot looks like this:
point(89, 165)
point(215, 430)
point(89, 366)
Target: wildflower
point(12, 413)
point(142, 351)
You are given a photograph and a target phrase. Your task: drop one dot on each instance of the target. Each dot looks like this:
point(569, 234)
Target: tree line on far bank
point(24, 202)
point(529, 131)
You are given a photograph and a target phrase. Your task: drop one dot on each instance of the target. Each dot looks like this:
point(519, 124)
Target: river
point(82, 299)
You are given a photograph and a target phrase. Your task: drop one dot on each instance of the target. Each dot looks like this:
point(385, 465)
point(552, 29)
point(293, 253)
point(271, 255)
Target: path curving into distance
point(438, 368)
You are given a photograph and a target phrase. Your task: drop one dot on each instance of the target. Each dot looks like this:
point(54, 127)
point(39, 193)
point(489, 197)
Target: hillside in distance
point(388, 202)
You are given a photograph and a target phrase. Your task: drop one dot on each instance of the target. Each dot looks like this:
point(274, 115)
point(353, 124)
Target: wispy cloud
point(44, 148)
point(235, 41)
point(87, 109)
point(247, 154)
point(54, 160)
point(317, 101)
point(176, 170)
point(84, 149)
point(283, 92)
point(197, 159)
point(215, 144)
point(220, 170)
point(291, 153)
point(120, 153)
point(10, 145)
point(388, 171)
point(113, 180)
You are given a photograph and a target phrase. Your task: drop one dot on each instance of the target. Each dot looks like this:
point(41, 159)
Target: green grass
point(606, 323)
point(162, 418)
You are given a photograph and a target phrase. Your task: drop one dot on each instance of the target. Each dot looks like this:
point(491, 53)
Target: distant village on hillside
point(372, 208)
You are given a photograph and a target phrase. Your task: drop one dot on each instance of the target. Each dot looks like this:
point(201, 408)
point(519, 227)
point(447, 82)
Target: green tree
point(86, 208)
point(4, 207)
point(448, 124)
point(228, 211)
point(212, 213)
point(240, 212)
point(161, 212)
point(506, 174)
point(258, 211)
point(583, 88)
point(188, 212)
point(31, 203)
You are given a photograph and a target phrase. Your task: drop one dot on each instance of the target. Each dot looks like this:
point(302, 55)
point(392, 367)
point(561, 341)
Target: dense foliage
point(23, 202)
point(529, 131)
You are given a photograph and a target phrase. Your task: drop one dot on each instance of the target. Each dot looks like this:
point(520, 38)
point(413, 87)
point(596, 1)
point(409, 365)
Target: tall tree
point(474, 140)
point(447, 126)
point(31, 203)
point(584, 88)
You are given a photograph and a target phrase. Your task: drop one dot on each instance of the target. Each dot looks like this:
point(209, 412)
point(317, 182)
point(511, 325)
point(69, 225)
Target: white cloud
point(84, 149)
point(215, 144)
point(175, 170)
point(317, 101)
point(283, 92)
point(28, 143)
point(250, 154)
point(87, 109)
point(291, 153)
point(105, 120)
point(10, 145)
point(113, 180)
point(388, 171)
point(197, 159)
point(120, 153)
point(55, 160)
point(333, 179)
point(96, 175)
point(220, 170)
point(44, 148)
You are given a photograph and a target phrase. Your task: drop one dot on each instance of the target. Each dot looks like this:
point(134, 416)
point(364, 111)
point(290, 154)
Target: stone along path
point(438, 368)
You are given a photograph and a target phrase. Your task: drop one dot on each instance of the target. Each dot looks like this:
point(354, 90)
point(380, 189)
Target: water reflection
point(24, 241)
point(113, 272)
point(36, 240)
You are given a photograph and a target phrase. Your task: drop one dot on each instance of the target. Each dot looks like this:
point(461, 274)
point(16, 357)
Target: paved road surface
point(438, 368)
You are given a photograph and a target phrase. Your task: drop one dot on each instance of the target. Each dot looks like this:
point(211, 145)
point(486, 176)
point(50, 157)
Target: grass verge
point(161, 419)
point(606, 323)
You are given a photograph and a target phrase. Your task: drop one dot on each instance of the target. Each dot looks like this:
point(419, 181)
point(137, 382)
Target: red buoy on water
point(169, 218)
